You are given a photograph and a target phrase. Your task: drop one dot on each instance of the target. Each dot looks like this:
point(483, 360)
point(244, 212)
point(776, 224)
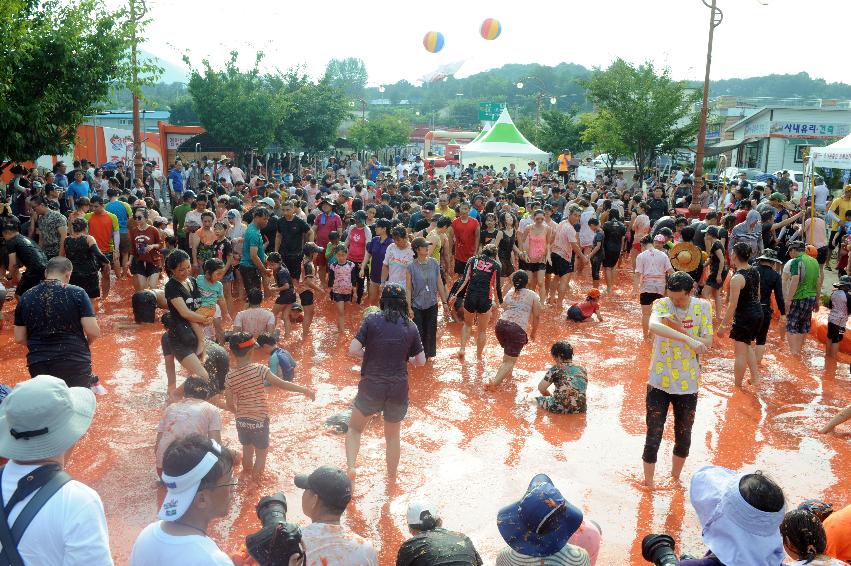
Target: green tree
point(241, 109)
point(463, 113)
point(379, 133)
point(182, 112)
point(601, 133)
point(348, 75)
point(651, 113)
point(314, 112)
point(57, 62)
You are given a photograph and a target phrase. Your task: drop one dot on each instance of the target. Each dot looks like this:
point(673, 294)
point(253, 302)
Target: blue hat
point(541, 523)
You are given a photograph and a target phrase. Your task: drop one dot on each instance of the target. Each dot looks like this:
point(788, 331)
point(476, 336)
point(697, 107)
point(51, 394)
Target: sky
point(757, 37)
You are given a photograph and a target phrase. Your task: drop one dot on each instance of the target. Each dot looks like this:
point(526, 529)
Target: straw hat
point(685, 256)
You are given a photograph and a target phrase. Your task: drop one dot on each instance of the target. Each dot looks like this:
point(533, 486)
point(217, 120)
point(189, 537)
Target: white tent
point(834, 156)
point(501, 145)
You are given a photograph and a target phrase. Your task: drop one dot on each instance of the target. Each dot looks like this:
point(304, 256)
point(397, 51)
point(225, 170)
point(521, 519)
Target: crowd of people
point(238, 261)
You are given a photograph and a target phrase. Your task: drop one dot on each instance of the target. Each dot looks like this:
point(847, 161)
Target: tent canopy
point(834, 156)
point(501, 145)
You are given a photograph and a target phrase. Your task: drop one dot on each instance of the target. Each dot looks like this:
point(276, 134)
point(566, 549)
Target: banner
point(119, 146)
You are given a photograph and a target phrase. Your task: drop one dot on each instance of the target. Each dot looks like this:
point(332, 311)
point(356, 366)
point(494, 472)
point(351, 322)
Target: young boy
point(211, 299)
point(255, 319)
point(286, 292)
point(342, 279)
point(331, 248)
point(838, 317)
point(571, 383)
point(582, 311)
point(247, 399)
point(595, 256)
point(281, 362)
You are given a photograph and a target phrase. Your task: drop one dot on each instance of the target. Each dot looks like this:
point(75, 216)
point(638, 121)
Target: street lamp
point(381, 88)
point(715, 19)
point(539, 97)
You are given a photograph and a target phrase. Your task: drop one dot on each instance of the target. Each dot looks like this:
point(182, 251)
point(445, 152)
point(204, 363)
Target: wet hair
point(197, 388)
point(687, 233)
point(562, 350)
point(58, 266)
point(333, 235)
point(186, 452)
point(267, 339)
point(490, 216)
point(444, 222)
point(396, 307)
point(614, 214)
point(419, 243)
point(341, 248)
point(260, 212)
point(803, 532)
point(593, 222)
point(383, 223)
point(274, 257)
point(174, 259)
point(761, 492)
point(679, 281)
point(11, 224)
point(646, 240)
point(144, 305)
point(234, 339)
point(212, 265)
point(489, 250)
point(255, 297)
point(743, 251)
point(519, 279)
point(399, 232)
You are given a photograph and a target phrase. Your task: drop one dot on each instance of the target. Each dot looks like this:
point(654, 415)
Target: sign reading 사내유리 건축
point(797, 129)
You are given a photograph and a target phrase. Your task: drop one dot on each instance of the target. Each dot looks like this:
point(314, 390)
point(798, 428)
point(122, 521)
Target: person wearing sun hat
point(538, 526)
point(41, 421)
point(770, 281)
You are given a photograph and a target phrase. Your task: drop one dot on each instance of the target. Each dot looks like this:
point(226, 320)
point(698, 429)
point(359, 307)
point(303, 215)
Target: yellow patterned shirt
point(675, 367)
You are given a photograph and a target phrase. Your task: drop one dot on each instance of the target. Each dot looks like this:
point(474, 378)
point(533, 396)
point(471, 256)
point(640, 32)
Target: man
point(327, 493)
point(431, 543)
point(175, 181)
point(293, 233)
point(22, 251)
point(657, 207)
point(784, 185)
point(749, 232)
point(252, 264)
point(355, 167)
point(78, 189)
point(103, 227)
point(652, 267)
point(565, 250)
point(821, 194)
point(56, 322)
point(801, 300)
point(814, 232)
point(198, 474)
point(744, 184)
point(465, 235)
point(52, 227)
point(564, 165)
point(42, 420)
point(122, 211)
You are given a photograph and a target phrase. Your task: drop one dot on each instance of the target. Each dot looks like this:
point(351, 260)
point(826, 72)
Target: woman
point(375, 252)
point(717, 268)
point(386, 342)
point(614, 235)
point(423, 284)
point(507, 250)
point(181, 293)
point(745, 310)
point(87, 259)
point(537, 240)
point(145, 254)
point(481, 277)
point(512, 328)
point(489, 233)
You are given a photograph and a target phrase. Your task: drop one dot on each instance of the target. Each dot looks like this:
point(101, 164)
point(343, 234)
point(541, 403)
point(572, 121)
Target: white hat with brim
point(43, 417)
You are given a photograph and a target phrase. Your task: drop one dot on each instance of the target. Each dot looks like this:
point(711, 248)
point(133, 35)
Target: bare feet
point(352, 472)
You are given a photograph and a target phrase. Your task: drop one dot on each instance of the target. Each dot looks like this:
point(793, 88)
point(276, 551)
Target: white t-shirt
point(565, 235)
point(187, 416)
point(821, 193)
point(652, 265)
point(155, 546)
point(586, 234)
point(254, 320)
point(327, 544)
point(397, 262)
point(518, 307)
point(70, 530)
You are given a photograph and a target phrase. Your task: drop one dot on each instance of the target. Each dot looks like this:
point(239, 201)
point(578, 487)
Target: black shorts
point(391, 399)
point(648, 298)
point(822, 254)
point(293, 264)
point(535, 267)
point(610, 258)
point(511, 337)
point(745, 329)
point(306, 298)
point(250, 278)
point(253, 433)
point(341, 297)
point(477, 303)
point(89, 283)
point(560, 266)
point(75, 374)
point(574, 313)
point(762, 331)
point(460, 266)
point(835, 333)
point(286, 297)
point(711, 280)
point(143, 268)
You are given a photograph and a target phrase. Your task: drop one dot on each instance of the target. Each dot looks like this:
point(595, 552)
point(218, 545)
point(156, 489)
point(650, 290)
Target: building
point(121, 120)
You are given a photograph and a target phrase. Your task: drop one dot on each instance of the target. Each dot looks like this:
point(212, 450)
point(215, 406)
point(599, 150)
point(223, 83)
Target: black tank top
point(749, 304)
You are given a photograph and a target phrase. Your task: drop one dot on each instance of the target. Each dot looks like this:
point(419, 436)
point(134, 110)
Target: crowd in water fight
point(232, 263)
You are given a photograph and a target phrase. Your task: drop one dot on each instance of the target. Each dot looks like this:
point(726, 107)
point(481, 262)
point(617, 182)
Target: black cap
point(330, 483)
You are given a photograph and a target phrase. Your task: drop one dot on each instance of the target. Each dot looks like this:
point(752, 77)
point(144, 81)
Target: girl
point(375, 252)
point(804, 539)
point(512, 328)
point(640, 227)
point(717, 268)
point(85, 256)
point(580, 312)
point(286, 292)
point(223, 250)
point(489, 233)
point(397, 257)
point(570, 381)
point(357, 238)
point(537, 241)
point(181, 293)
point(342, 279)
point(744, 304)
point(481, 277)
point(423, 285)
point(211, 298)
point(614, 235)
point(309, 287)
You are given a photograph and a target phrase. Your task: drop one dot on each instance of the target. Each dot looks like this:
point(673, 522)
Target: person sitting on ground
point(281, 362)
point(584, 310)
point(431, 543)
point(537, 528)
point(198, 473)
point(570, 381)
point(740, 516)
point(69, 528)
point(805, 540)
point(327, 493)
point(191, 415)
point(256, 319)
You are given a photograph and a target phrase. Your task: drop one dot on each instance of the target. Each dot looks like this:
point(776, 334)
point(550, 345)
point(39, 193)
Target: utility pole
point(137, 14)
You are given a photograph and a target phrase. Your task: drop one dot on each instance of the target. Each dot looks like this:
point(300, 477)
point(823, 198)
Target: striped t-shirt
point(245, 385)
point(569, 555)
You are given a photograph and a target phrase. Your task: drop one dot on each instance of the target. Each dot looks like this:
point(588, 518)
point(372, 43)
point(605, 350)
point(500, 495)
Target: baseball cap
point(418, 511)
point(330, 483)
point(268, 202)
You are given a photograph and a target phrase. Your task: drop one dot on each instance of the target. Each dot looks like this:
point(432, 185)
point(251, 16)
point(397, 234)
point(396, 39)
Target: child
point(309, 287)
point(804, 539)
point(192, 414)
point(571, 382)
point(342, 279)
point(331, 248)
point(255, 319)
point(247, 399)
point(838, 317)
point(281, 362)
point(223, 250)
point(595, 256)
point(580, 312)
point(286, 292)
point(211, 299)
point(170, 246)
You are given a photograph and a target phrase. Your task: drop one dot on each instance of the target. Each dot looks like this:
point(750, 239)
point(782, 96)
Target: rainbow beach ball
point(491, 28)
point(433, 41)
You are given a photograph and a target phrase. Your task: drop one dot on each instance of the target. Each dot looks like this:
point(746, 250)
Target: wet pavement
point(469, 450)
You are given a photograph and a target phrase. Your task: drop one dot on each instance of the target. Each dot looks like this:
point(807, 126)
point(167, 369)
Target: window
point(799, 152)
point(751, 155)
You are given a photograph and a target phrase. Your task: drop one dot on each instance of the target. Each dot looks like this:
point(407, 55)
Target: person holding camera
point(431, 543)
point(327, 493)
point(198, 474)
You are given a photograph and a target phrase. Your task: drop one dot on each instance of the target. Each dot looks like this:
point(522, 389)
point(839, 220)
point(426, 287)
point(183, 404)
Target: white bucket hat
point(43, 417)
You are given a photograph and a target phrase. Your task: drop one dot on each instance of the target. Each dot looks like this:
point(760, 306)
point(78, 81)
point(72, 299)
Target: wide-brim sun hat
point(685, 256)
point(43, 417)
point(735, 531)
